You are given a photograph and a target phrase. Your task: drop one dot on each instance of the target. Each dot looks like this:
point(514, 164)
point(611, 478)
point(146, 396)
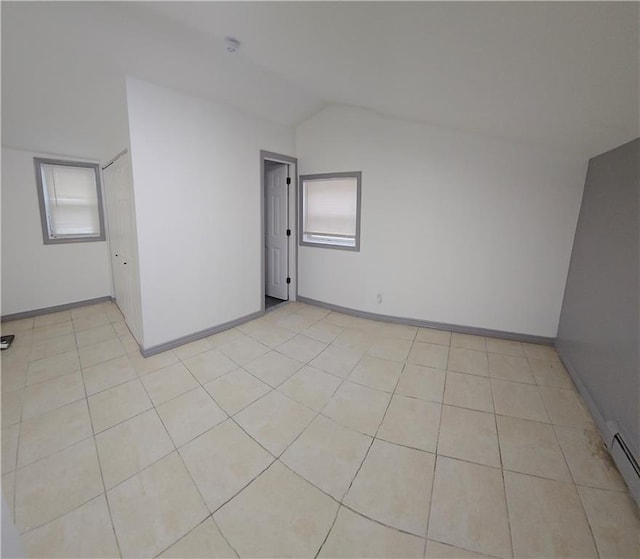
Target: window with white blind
point(70, 201)
point(330, 210)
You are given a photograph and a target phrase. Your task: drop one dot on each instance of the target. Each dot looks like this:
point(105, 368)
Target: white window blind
point(330, 207)
point(71, 200)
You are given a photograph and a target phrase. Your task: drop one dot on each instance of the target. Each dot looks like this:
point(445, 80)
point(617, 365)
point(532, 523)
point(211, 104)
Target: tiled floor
point(303, 433)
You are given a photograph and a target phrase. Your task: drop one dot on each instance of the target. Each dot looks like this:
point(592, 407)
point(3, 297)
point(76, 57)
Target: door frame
point(292, 218)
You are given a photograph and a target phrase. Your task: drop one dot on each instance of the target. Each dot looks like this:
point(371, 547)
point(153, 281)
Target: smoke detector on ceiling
point(231, 44)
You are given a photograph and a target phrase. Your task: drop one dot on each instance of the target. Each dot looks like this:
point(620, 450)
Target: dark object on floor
point(5, 341)
point(272, 302)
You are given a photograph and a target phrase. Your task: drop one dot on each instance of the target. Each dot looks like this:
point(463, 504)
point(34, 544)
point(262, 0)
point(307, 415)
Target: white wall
point(35, 275)
point(196, 173)
point(456, 228)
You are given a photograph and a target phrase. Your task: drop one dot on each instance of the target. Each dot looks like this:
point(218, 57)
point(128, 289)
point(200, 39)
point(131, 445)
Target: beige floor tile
point(20, 325)
point(226, 336)
point(468, 391)
point(588, 459)
point(328, 455)
point(411, 422)
point(614, 521)
point(229, 452)
point(84, 532)
point(518, 400)
point(272, 335)
point(11, 407)
point(242, 350)
point(14, 377)
point(293, 321)
point(393, 486)
point(322, 332)
point(110, 407)
point(145, 365)
point(355, 536)
point(433, 336)
point(547, 518)
point(52, 431)
point(538, 351)
point(209, 365)
point(100, 352)
point(358, 407)
point(565, 407)
point(469, 435)
point(530, 447)
point(51, 394)
point(437, 550)
point(90, 321)
point(273, 368)
point(236, 390)
point(145, 508)
point(337, 360)
point(57, 484)
point(278, 515)
point(468, 508)
point(468, 341)
point(302, 348)
point(50, 318)
point(165, 384)
point(51, 367)
point(131, 446)
point(391, 349)
point(51, 331)
point(191, 349)
point(87, 310)
point(205, 541)
point(275, 421)
point(108, 374)
point(129, 343)
point(9, 492)
point(52, 346)
point(429, 355)
point(9, 448)
point(424, 383)
point(509, 367)
point(468, 361)
point(505, 347)
point(377, 373)
point(355, 340)
point(190, 415)
point(120, 327)
point(550, 373)
point(95, 335)
point(311, 387)
point(396, 331)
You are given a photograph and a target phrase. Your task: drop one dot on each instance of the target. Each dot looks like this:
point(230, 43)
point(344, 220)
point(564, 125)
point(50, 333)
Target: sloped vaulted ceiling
point(561, 75)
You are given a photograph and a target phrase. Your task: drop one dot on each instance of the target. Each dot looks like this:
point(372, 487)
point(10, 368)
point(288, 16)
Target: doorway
point(278, 202)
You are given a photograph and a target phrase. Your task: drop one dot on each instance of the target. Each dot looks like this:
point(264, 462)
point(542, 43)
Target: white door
point(118, 186)
point(276, 225)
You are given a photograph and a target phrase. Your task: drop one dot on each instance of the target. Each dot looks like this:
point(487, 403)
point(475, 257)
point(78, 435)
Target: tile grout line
point(364, 458)
point(95, 446)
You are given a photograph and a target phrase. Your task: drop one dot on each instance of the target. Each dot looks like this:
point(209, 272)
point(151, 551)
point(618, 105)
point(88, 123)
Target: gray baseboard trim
point(154, 350)
point(428, 324)
point(607, 429)
point(56, 308)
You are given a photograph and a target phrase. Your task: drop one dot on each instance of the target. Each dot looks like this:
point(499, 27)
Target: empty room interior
point(320, 279)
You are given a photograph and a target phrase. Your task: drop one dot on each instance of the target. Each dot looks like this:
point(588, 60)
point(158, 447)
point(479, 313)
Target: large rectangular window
point(70, 201)
point(330, 210)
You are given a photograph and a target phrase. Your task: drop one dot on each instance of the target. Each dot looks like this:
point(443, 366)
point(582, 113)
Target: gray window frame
point(325, 176)
point(46, 234)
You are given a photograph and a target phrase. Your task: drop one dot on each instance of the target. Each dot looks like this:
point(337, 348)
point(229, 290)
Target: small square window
point(330, 210)
point(70, 201)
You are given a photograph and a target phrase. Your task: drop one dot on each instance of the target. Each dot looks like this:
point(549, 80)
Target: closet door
point(118, 186)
